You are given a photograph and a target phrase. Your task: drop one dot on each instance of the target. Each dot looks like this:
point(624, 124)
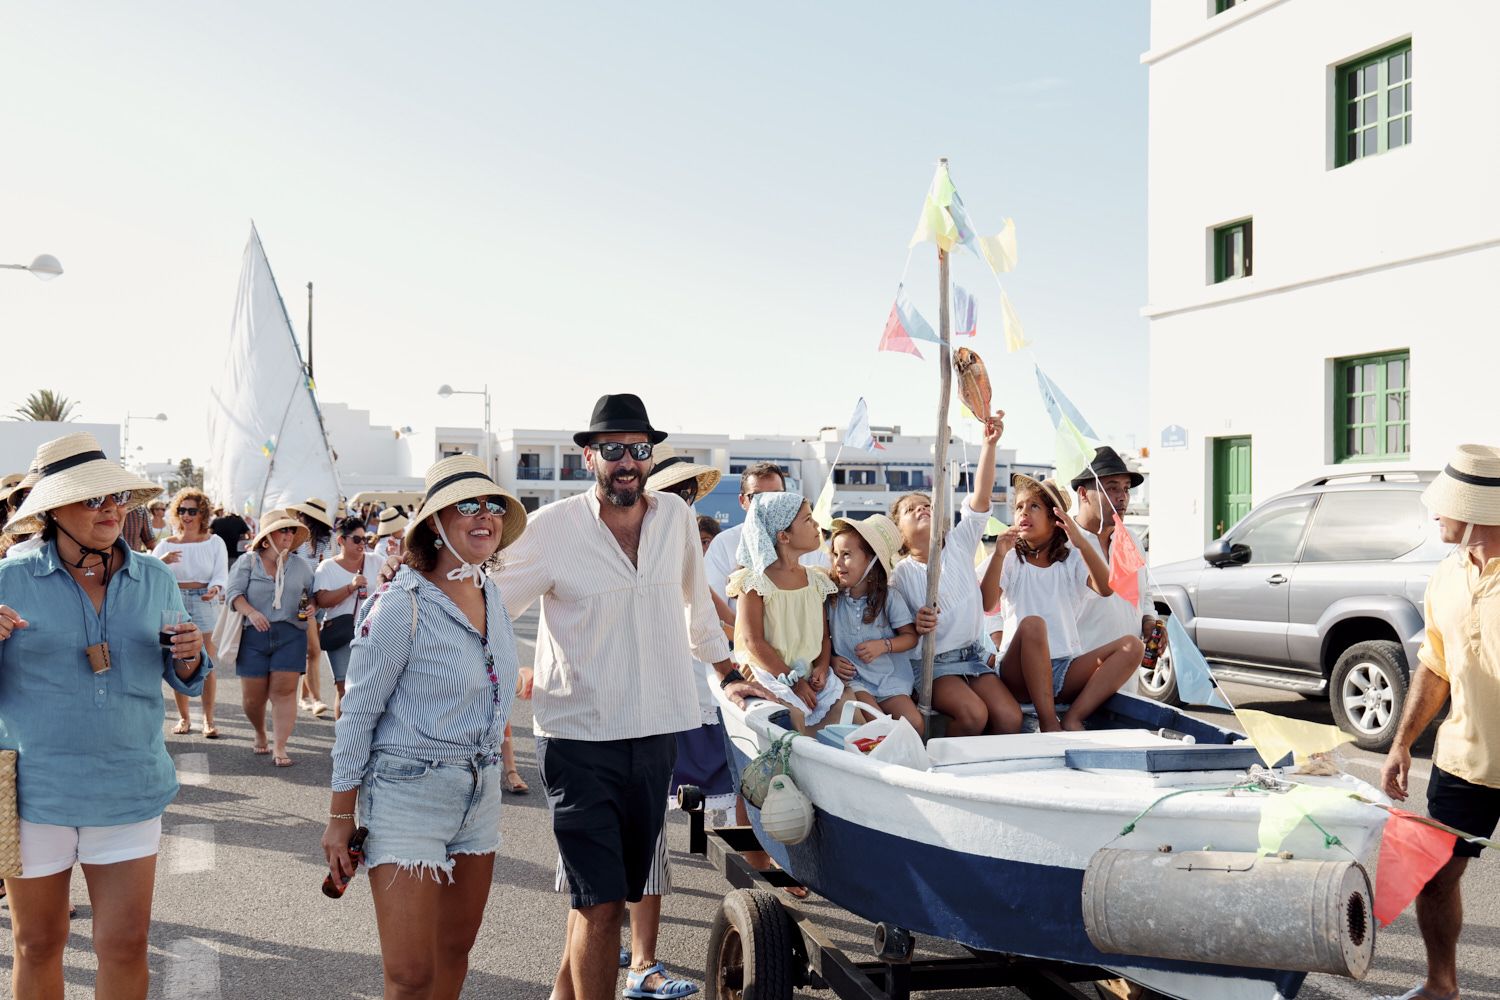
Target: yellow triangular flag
point(995, 526)
point(1274, 736)
point(1015, 337)
point(935, 224)
point(1000, 250)
point(1073, 452)
point(822, 511)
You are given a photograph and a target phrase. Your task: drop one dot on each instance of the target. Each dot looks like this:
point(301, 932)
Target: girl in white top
point(964, 686)
point(201, 564)
point(340, 585)
point(1041, 585)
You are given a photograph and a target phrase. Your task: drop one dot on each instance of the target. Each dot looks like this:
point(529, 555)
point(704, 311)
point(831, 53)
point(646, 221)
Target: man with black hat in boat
point(614, 568)
point(1459, 659)
point(1103, 490)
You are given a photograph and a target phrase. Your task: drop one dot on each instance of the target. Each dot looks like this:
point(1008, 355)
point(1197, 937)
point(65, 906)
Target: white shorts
point(47, 850)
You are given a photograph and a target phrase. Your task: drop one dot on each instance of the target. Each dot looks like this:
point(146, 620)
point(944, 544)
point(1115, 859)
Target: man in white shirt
point(722, 557)
point(614, 568)
point(1102, 490)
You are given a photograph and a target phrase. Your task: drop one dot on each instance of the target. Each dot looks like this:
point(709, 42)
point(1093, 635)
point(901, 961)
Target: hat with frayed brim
point(72, 469)
point(1021, 479)
point(315, 508)
point(273, 521)
point(463, 477)
point(672, 469)
point(392, 522)
point(1468, 490)
point(1107, 462)
point(879, 533)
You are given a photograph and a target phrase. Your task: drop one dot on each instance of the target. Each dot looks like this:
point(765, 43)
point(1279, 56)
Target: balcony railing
point(532, 472)
point(576, 474)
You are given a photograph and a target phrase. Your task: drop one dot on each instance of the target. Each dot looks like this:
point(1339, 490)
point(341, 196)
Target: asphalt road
point(238, 912)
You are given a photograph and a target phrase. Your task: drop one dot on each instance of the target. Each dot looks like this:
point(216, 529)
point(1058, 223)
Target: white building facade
point(1324, 241)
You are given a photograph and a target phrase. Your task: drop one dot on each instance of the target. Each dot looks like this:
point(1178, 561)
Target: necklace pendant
point(89, 572)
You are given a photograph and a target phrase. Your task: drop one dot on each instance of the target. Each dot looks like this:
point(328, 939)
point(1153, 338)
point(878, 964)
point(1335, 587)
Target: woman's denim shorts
point(283, 649)
point(338, 661)
point(421, 813)
point(966, 662)
point(205, 614)
point(1060, 665)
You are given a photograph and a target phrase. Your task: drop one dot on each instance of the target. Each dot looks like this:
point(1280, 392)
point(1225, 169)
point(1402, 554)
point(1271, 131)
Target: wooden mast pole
point(940, 514)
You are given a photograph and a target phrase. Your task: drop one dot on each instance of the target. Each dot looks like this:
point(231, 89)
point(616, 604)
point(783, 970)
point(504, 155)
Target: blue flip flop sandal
point(624, 958)
point(668, 990)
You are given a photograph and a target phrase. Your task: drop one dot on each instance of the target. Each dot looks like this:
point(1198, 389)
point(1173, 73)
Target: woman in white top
point(159, 527)
point(201, 564)
point(341, 585)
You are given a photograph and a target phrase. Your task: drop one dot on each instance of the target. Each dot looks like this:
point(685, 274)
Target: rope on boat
point(1329, 839)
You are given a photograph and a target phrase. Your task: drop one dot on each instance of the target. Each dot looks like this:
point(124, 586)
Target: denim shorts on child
point(966, 662)
point(1060, 665)
point(283, 649)
point(47, 849)
point(422, 813)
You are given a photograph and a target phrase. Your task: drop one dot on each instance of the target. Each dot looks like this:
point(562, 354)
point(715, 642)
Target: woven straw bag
point(10, 820)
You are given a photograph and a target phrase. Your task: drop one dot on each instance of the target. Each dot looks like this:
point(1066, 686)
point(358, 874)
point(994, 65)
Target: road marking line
point(189, 848)
point(192, 769)
point(193, 973)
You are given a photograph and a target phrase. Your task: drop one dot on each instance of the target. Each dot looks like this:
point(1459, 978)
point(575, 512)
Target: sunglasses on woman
point(613, 451)
point(468, 508)
point(121, 499)
point(187, 511)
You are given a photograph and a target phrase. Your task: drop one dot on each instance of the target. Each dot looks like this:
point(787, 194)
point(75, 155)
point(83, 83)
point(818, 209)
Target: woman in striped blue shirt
point(417, 750)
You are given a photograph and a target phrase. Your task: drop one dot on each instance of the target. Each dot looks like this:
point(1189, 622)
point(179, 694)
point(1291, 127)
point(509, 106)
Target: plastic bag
point(889, 740)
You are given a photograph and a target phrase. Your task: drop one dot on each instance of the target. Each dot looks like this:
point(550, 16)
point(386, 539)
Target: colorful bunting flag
point(1015, 337)
point(1275, 736)
point(822, 511)
point(965, 313)
point(311, 385)
point(1195, 684)
point(1072, 451)
point(269, 446)
point(994, 526)
point(917, 328)
point(1059, 406)
point(934, 224)
point(1283, 812)
point(858, 435)
point(961, 224)
point(1125, 563)
point(895, 337)
point(1411, 852)
point(999, 251)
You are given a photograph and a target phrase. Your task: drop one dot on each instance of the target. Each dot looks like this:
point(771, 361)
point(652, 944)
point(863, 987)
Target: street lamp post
point(45, 267)
point(125, 446)
point(447, 390)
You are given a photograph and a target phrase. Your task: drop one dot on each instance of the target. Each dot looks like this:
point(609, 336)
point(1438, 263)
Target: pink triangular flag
point(895, 337)
point(1125, 564)
point(1411, 852)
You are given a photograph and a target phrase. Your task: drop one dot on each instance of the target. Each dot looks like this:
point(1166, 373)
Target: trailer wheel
point(750, 949)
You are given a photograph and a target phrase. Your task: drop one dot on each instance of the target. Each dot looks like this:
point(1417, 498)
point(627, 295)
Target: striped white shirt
point(421, 690)
point(614, 651)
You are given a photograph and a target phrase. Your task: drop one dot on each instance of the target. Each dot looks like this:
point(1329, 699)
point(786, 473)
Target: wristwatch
point(732, 677)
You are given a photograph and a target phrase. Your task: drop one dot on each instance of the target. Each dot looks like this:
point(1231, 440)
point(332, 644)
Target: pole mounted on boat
point(941, 516)
point(309, 331)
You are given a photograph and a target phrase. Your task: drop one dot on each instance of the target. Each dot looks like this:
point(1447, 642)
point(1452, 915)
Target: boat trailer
point(760, 948)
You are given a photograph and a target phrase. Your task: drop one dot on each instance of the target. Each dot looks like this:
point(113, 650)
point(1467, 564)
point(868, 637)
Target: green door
point(1231, 482)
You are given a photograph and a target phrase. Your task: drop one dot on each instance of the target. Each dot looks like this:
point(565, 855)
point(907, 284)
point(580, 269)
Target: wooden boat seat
point(1032, 751)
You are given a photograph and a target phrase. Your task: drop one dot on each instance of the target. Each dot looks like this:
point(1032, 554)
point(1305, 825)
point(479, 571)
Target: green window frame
point(1372, 407)
point(1220, 6)
point(1373, 106)
point(1232, 244)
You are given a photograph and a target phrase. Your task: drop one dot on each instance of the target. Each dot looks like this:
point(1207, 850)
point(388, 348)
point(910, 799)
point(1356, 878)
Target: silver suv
point(1318, 591)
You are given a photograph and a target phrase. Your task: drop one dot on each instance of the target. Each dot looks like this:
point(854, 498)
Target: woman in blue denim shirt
point(80, 700)
point(417, 749)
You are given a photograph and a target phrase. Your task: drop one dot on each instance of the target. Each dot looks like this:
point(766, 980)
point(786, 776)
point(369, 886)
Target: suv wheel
point(1159, 682)
point(1367, 692)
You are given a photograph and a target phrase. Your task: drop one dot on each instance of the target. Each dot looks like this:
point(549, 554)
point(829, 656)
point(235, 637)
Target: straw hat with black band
point(315, 508)
point(463, 477)
point(392, 522)
point(273, 521)
point(672, 470)
point(71, 469)
point(880, 534)
point(1468, 489)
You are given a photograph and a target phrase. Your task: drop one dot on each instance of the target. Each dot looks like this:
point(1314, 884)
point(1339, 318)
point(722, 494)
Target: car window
point(1273, 531)
point(1365, 524)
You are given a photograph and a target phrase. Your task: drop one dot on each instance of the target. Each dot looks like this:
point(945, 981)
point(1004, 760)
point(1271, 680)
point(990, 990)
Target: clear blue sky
point(704, 204)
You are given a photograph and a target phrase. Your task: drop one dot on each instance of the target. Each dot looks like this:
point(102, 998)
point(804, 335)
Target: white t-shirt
point(1104, 619)
point(332, 576)
point(1055, 594)
point(961, 615)
point(722, 559)
point(202, 562)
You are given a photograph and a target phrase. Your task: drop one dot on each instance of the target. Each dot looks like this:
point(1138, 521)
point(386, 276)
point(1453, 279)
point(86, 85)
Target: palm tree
point(44, 404)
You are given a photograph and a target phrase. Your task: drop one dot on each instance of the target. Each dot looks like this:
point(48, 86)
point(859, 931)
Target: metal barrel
point(1231, 908)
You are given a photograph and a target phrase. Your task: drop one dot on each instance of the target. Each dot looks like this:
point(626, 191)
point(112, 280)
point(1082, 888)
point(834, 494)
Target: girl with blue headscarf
point(780, 631)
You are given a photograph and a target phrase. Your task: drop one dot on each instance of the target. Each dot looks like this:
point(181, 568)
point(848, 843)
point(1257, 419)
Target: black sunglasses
point(187, 511)
point(468, 508)
point(613, 451)
point(121, 499)
point(357, 539)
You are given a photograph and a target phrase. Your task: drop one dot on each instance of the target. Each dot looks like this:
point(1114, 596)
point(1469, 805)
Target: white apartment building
point(1323, 251)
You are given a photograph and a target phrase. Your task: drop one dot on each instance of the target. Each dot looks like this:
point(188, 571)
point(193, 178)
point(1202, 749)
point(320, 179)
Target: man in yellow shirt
point(1459, 659)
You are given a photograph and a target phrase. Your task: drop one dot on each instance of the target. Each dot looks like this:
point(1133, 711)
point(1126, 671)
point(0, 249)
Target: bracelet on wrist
point(340, 815)
point(732, 677)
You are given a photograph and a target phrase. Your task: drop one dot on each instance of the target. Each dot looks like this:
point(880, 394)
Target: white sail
point(269, 447)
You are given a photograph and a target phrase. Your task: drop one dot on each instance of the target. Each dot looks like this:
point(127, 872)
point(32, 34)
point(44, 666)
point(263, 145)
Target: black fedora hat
point(619, 411)
point(1107, 462)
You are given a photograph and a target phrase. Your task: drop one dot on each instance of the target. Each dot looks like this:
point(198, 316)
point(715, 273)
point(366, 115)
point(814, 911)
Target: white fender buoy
point(787, 814)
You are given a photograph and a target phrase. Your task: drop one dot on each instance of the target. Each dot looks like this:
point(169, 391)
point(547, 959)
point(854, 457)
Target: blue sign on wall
point(1174, 436)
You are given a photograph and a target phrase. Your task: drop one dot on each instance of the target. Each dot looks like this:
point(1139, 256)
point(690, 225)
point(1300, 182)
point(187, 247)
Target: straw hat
point(315, 508)
point(74, 468)
point(275, 520)
point(1021, 479)
point(10, 495)
point(463, 477)
point(392, 522)
point(672, 469)
point(879, 532)
point(1468, 490)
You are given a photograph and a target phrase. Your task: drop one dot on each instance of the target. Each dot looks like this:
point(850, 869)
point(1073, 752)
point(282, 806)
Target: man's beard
point(617, 495)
